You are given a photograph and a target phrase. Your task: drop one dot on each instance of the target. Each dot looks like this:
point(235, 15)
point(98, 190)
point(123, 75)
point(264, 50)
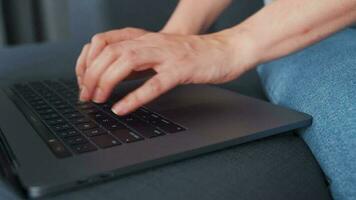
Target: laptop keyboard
point(74, 127)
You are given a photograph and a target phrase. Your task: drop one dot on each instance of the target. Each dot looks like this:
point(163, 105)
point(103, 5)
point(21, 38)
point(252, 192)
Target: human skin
point(179, 55)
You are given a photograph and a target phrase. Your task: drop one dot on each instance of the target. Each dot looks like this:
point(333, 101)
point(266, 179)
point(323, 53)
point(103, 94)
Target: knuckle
point(156, 85)
point(131, 55)
point(98, 38)
point(110, 50)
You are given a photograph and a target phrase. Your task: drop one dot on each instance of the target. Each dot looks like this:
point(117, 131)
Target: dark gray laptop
point(50, 142)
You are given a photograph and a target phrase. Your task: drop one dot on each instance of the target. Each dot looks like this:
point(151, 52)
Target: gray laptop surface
point(51, 143)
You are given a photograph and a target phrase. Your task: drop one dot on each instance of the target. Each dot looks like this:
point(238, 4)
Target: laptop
point(52, 143)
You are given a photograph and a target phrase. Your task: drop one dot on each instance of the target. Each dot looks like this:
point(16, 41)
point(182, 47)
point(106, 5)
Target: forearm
point(194, 16)
point(287, 26)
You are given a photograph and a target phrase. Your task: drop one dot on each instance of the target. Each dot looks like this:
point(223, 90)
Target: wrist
point(176, 30)
point(185, 29)
point(242, 47)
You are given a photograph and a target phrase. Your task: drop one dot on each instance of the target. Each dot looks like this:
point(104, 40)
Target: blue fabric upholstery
point(321, 81)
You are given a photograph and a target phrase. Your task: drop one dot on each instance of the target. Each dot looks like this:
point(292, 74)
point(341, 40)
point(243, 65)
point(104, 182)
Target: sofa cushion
point(320, 80)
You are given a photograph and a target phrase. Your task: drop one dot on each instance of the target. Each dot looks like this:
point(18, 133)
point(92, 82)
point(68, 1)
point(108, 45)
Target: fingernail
point(119, 109)
point(84, 95)
point(98, 95)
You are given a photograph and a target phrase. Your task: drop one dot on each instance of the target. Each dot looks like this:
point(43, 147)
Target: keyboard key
point(73, 115)
point(76, 140)
point(33, 99)
point(67, 110)
point(145, 129)
point(61, 106)
point(84, 105)
point(127, 136)
point(58, 102)
point(81, 103)
point(61, 127)
point(55, 121)
point(115, 126)
point(67, 94)
point(89, 111)
point(111, 124)
point(50, 116)
point(38, 103)
point(128, 119)
point(50, 97)
point(94, 132)
point(106, 121)
point(98, 115)
point(80, 120)
point(105, 141)
point(166, 125)
point(159, 122)
point(58, 148)
point(86, 126)
point(142, 114)
point(68, 133)
point(41, 107)
point(141, 127)
point(169, 127)
point(46, 111)
point(83, 148)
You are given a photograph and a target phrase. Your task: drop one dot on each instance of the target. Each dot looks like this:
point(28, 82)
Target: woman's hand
point(91, 50)
point(177, 59)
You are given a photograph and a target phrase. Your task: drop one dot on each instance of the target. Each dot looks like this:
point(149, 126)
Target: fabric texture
point(321, 81)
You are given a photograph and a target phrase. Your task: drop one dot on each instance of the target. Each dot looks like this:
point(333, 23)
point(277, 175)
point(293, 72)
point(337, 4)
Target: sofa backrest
point(51, 20)
point(91, 16)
